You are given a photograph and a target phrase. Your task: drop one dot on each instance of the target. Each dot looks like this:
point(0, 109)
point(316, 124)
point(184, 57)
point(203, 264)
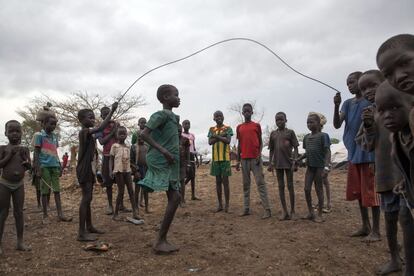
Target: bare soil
point(210, 243)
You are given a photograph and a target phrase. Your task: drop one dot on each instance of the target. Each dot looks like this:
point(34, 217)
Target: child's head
point(352, 82)
point(393, 107)
point(322, 119)
point(247, 111)
point(314, 122)
point(167, 94)
point(13, 132)
point(280, 119)
point(49, 123)
point(121, 133)
point(395, 59)
point(186, 125)
point(141, 123)
point(104, 112)
point(218, 117)
point(86, 117)
point(368, 83)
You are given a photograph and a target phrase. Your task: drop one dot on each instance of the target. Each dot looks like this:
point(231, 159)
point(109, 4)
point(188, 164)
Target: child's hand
point(168, 156)
point(270, 168)
point(114, 106)
point(337, 99)
point(27, 165)
point(137, 176)
point(238, 166)
point(111, 175)
point(367, 116)
point(258, 159)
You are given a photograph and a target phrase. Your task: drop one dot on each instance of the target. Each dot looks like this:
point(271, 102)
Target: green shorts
point(51, 177)
point(220, 168)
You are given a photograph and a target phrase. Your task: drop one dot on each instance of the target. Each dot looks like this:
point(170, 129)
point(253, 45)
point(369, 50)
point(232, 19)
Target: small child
point(219, 137)
point(85, 169)
point(184, 162)
point(161, 134)
point(141, 125)
point(317, 154)
point(250, 144)
point(282, 143)
point(191, 169)
point(393, 108)
point(120, 170)
point(14, 161)
point(47, 166)
point(136, 138)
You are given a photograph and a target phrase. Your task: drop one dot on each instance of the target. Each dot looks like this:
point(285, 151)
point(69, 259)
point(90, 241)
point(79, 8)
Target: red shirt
point(249, 135)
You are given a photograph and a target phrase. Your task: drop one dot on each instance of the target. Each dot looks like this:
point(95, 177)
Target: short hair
point(357, 74)
point(315, 116)
point(281, 113)
point(105, 108)
point(218, 111)
point(164, 90)
point(247, 104)
point(11, 122)
point(83, 112)
point(121, 127)
point(398, 41)
point(142, 118)
point(47, 116)
point(186, 120)
point(375, 72)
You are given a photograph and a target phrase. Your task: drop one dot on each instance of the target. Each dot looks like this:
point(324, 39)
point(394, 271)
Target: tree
point(236, 108)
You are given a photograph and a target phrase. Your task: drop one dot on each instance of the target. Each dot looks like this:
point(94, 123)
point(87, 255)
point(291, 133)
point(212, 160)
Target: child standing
point(120, 170)
point(184, 161)
point(14, 161)
point(250, 144)
point(85, 169)
point(191, 171)
point(219, 137)
point(161, 134)
point(282, 144)
point(317, 154)
point(47, 166)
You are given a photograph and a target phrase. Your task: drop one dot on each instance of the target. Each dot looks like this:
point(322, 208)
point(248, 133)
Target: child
point(373, 136)
point(135, 137)
point(360, 182)
point(120, 170)
point(282, 143)
point(317, 154)
point(161, 134)
point(65, 160)
point(14, 161)
point(141, 125)
point(219, 137)
point(249, 135)
point(139, 166)
point(393, 108)
point(47, 166)
point(193, 158)
point(184, 161)
point(106, 138)
point(85, 169)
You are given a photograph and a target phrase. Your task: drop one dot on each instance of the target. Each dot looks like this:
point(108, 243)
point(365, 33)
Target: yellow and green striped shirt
point(221, 151)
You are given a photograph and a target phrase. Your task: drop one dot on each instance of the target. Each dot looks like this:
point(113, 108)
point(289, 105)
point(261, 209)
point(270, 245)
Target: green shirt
point(316, 146)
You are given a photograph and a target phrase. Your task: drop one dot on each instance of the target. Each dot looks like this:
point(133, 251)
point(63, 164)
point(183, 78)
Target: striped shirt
point(221, 151)
point(48, 144)
point(316, 146)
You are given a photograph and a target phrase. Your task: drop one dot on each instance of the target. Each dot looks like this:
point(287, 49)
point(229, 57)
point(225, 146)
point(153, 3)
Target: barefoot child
point(283, 148)
point(136, 138)
point(184, 162)
point(14, 161)
point(85, 169)
point(317, 154)
point(219, 137)
point(120, 170)
point(161, 134)
point(393, 108)
point(250, 144)
point(360, 181)
point(47, 166)
point(191, 171)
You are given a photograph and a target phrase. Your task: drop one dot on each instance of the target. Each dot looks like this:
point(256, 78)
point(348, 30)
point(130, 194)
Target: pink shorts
point(361, 185)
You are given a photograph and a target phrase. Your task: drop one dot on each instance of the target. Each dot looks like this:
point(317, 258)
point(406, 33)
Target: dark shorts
point(142, 171)
point(390, 202)
point(107, 180)
point(361, 185)
point(220, 168)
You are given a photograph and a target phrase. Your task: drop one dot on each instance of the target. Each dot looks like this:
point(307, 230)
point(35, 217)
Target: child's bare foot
point(164, 247)
point(64, 219)
point(389, 267)
point(246, 212)
point(267, 214)
point(361, 232)
point(226, 209)
point(124, 209)
point(136, 216)
point(116, 218)
point(86, 237)
point(219, 209)
point(95, 231)
point(109, 210)
point(284, 216)
point(372, 237)
point(22, 247)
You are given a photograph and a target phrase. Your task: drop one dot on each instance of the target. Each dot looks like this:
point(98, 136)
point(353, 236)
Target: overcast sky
point(57, 47)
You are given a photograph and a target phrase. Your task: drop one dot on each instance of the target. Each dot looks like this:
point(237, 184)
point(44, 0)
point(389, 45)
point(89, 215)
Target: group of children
point(379, 126)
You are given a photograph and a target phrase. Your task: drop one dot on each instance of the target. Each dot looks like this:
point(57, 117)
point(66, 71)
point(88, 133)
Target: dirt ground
point(210, 243)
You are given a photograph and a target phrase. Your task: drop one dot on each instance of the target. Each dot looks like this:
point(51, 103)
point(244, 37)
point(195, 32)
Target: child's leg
point(146, 202)
point(128, 183)
point(219, 181)
point(141, 198)
point(119, 198)
point(246, 167)
point(54, 181)
point(226, 186)
point(18, 202)
point(4, 210)
point(107, 183)
point(319, 192)
point(162, 246)
point(85, 212)
point(366, 226)
point(281, 184)
point(375, 233)
point(182, 190)
point(309, 176)
point(136, 194)
point(289, 179)
point(326, 184)
point(407, 225)
point(261, 187)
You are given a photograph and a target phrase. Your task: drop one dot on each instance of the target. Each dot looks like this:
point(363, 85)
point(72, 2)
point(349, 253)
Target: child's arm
point(107, 138)
point(339, 117)
point(271, 152)
point(238, 155)
point(36, 162)
point(259, 134)
point(146, 136)
point(133, 161)
point(106, 121)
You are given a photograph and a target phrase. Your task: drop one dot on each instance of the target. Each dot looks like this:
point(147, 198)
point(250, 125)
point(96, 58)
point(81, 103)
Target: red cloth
point(361, 185)
point(248, 135)
point(65, 161)
point(107, 147)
